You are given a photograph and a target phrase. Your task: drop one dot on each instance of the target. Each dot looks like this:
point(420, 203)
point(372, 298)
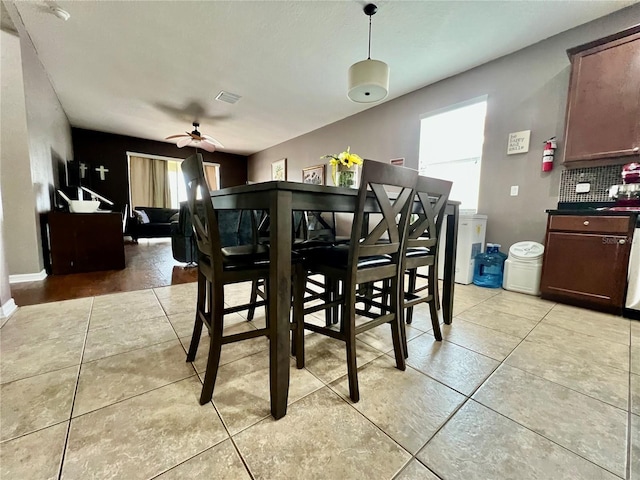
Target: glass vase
point(346, 177)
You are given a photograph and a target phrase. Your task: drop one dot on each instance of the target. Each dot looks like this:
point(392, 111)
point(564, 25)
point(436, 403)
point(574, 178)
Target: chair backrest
point(203, 215)
point(318, 226)
point(388, 236)
point(432, 195)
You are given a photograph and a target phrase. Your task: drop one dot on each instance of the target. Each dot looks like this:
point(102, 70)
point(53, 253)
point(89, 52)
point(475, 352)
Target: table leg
point(279, 300)
point(450, 265)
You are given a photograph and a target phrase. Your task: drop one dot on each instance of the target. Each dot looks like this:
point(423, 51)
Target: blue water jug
point(489, 267)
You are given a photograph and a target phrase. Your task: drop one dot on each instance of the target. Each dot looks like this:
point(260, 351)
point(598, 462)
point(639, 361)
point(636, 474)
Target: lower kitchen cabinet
point(586, 260)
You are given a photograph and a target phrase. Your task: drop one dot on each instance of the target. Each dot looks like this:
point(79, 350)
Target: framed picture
point(279, 169)
point(314, 175)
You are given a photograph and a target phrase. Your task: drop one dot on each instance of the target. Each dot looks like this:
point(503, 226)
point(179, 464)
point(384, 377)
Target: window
point(156, 181)
point(451, 149)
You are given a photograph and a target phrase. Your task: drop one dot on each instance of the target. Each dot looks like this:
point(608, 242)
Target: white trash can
point(523, 268)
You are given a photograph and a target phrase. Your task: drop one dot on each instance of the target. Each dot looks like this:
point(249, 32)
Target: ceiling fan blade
point(175, 136)
point(210, 139)
point(184, 141)
point(207, 146)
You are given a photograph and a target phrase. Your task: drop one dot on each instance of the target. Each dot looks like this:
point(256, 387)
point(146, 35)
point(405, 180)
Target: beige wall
point(526, 90)
point(48, 136)
point(21, 238)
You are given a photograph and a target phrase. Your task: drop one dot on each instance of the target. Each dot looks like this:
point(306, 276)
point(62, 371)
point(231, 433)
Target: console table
point(85, 242)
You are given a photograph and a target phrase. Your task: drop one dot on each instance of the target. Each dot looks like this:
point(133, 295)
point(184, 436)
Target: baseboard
point(7, 309)
point(28, 277)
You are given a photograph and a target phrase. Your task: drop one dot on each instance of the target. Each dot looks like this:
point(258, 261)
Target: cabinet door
point(603, 111)
point(587, 269)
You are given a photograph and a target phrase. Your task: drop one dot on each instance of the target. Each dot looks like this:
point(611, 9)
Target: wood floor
point(149, 265)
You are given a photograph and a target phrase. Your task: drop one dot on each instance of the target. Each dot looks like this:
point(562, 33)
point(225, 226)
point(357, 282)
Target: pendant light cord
point(369, 58)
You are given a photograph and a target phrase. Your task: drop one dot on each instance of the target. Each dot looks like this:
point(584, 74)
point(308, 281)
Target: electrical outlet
point(583, 187)
point(514, 190)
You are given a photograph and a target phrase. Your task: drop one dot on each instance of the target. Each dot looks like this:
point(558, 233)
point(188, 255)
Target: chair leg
point(433, 310)
point(398, 333)
point(215, 347)
point(411, 287)
point(197, 327)
point(349, 324)
point(436, 286)
point(252, 300)
point(328, 298)
point(297, 344)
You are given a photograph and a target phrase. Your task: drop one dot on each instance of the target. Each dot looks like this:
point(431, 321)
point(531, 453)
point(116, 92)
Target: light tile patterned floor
point(520, 388)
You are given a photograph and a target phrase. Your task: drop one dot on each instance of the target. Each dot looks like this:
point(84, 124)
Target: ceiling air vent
point(228, 97)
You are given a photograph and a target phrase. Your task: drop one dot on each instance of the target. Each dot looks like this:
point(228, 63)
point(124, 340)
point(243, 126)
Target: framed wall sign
point(518, 142)
point(279, 169)
point(314, 175)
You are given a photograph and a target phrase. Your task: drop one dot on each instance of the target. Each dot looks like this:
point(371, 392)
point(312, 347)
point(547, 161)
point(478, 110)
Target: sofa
point(236, 227)
point(151, 222)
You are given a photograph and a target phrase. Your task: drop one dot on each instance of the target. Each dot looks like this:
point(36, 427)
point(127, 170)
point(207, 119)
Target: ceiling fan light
point(368, 81)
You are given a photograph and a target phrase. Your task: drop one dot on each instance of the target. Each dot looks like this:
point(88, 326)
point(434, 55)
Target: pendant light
point(368, 79)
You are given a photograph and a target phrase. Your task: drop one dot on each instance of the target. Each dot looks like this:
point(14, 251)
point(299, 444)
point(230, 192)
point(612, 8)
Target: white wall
point(526, 90)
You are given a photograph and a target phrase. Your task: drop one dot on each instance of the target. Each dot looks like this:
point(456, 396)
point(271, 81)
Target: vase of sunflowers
point(344, 168)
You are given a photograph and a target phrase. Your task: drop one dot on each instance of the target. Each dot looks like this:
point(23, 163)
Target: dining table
point(281, 199)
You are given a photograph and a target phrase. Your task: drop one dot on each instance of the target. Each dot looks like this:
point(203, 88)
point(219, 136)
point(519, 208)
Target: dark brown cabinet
point(85, 242)
point(603, 109)
point(586, 258)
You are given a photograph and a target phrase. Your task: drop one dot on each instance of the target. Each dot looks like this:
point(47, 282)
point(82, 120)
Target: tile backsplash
point(600, 178)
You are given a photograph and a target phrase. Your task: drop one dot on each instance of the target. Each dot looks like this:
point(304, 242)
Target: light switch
point(583, 187)
point(514, 190)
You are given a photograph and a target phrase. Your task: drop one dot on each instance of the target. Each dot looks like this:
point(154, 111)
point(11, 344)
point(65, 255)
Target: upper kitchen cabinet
point(603, 110)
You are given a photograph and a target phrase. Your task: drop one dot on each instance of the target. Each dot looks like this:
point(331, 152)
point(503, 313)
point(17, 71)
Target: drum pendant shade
point(368, 81)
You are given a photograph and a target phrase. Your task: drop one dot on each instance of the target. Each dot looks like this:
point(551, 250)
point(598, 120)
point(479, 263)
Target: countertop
point(590, 212)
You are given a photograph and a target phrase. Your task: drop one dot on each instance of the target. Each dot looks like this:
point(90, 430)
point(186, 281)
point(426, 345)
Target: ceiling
point(147, 69)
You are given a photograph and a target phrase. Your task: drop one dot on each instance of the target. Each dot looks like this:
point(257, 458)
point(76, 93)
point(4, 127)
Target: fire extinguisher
point(547, 155)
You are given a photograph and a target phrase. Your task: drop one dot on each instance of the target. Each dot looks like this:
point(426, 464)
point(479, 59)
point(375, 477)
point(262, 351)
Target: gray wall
point(526, 90)
point(48, 136)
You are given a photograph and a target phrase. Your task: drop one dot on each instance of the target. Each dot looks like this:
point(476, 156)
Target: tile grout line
point(629, 417)
point(524, 426)
point(468, 397)
point(75, 393)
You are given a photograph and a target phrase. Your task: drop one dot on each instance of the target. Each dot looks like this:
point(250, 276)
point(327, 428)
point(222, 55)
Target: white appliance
point(632, 301)
point(471, 233)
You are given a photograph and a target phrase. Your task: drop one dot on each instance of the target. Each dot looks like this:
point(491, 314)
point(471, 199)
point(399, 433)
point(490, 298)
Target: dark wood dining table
point(281, 199)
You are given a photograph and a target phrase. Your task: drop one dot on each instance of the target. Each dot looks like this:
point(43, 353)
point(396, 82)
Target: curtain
point(149, 182)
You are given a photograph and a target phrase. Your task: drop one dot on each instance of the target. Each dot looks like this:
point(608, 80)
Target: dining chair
point(218, 266)
point(373, 254)
point(423, 237)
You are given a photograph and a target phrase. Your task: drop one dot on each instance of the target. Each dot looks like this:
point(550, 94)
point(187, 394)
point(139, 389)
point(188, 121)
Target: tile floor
point(520, 388)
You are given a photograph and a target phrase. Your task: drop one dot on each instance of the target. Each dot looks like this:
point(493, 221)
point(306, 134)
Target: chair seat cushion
point(338, 256)
point(252, 252)
point(418, 252)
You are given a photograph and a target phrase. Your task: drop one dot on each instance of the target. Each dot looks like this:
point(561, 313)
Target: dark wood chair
point(217, 267)
point(375, 254)
point(423, 242)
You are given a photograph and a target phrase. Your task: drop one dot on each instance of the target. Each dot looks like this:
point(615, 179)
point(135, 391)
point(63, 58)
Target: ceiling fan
point(196, 139)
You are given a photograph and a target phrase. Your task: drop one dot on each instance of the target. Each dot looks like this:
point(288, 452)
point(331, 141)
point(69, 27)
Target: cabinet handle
point(622, 241)
point(586, 222)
